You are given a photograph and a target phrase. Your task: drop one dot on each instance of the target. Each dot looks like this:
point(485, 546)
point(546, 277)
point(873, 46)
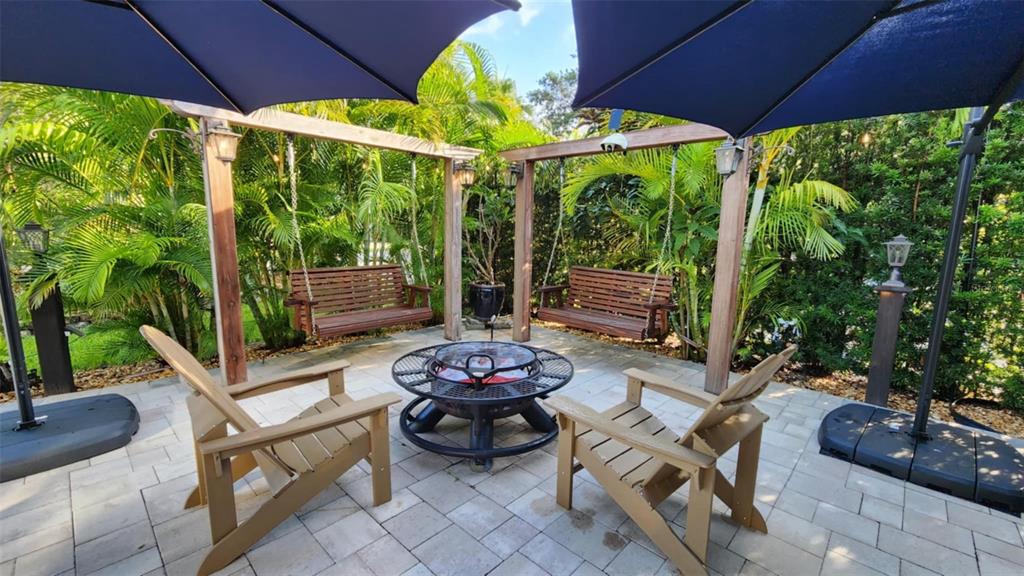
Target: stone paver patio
point(121, 513)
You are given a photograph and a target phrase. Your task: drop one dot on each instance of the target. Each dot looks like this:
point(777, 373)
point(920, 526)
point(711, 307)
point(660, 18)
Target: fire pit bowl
point(479, 381)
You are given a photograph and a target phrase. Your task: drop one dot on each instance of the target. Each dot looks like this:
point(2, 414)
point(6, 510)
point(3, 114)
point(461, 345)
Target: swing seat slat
point(611, 302)
point(356, 299)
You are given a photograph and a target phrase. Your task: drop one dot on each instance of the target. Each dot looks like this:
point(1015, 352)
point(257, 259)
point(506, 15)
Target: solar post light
point(35, 237)
point(892, 293)
point(48, 325)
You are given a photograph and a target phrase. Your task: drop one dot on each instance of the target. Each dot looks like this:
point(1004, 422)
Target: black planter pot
point(486, 300)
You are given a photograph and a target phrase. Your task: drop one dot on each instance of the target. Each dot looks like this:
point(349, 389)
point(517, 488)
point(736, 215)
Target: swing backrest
point(351, 289)
point(616, 291)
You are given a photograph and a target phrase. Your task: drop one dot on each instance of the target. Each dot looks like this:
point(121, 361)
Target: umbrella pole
point(970, 150)
point(17, 355)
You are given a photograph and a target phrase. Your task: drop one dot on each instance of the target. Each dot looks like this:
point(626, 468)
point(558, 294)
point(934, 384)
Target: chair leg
point(566, 447)
point(380, 461)
point(646, 517)
point(240, 466)
point(746, 478)
point(698, 512)
point(274, 511)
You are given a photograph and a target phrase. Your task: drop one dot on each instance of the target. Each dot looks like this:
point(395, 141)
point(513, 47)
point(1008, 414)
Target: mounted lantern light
point(897, 251)
point(464, 172)
point(728, 156)
point(35, 237)
point(513, 174)
point(225, 142)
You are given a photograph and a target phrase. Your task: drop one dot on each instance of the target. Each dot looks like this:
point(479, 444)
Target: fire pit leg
point(540, 420)
point(426, 420)
point(481, 437)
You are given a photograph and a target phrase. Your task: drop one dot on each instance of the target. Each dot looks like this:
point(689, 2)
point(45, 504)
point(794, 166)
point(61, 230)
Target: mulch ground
point(842, 384)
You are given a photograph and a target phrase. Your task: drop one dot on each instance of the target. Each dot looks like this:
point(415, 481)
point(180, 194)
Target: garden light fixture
point(35, 237)
point(464, 172)
point(512, 175)
point(897, 251)
point(728, 156)
point(225, 142)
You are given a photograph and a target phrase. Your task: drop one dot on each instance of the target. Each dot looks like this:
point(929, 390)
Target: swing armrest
point(547, 291)
point(654, 306)
point(300, 302)
point(415, 292)
point(556, 288)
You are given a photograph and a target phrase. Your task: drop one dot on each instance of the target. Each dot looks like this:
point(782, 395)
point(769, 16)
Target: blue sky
point(526, 44)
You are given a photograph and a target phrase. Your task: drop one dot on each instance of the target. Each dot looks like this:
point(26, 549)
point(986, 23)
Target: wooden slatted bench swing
point(355, 299)
point(612, 302)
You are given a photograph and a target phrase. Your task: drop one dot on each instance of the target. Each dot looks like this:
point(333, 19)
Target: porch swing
point(612, 302)
point(331, 302)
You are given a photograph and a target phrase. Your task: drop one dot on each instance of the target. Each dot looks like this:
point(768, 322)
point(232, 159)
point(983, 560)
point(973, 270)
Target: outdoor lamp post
point(891, 294)
point(464, 172)
point(48, 325)
point(513, 174)
point(225, 142)
point(728, 156)
point(35, 237)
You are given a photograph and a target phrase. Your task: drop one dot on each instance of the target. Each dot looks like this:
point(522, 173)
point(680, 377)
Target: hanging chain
point(668, 224)
point(561, 216)
point(290, 139)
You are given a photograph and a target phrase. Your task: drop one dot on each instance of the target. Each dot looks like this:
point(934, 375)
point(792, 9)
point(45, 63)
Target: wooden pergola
point(214, 128)
point(730, 234)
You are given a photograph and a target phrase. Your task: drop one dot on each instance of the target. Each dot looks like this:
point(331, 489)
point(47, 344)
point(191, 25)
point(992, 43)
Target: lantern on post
point(464, 172)
point(513, 174)
point(225, 142)
point(892, 293)
point(728, 156)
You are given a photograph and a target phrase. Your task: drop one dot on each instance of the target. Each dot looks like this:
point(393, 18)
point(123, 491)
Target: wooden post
point(227, 297)
point(727, 274)
point(452, 253)
point(523, 271)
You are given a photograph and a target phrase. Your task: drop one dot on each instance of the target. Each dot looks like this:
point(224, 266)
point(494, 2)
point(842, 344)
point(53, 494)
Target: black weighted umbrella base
point(955, 460)
point(481, 450)
point(73, 430)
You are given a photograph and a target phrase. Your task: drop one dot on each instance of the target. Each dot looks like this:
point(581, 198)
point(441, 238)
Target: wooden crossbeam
point(638, 139)
point(289, 123)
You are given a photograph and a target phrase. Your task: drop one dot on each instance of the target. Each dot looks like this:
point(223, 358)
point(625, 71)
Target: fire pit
point(479, 381)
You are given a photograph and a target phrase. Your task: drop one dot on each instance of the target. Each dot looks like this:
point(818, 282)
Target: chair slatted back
point(213, 393)
point(739, 394)
point(616, 291)
point(352, 289)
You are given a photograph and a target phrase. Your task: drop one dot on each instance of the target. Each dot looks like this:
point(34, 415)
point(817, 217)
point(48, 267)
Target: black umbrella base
point(954, 460)
point(481, 451)
point(73, 430)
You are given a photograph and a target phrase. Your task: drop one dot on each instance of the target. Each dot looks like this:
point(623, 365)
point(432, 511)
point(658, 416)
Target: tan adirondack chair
point(641, 462)
point(298, 458)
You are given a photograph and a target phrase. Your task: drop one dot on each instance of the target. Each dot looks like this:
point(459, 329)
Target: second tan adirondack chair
point(298, 458)
point(641, 462)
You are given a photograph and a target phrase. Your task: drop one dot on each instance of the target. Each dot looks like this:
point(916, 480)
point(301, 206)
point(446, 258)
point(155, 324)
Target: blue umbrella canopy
point(752, 66)
point(239, 55)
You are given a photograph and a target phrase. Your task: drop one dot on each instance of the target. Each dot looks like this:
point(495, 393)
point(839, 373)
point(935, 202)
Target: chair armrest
point(677, 455)
point(671, 306)
point(557, 288)
point(691, 396)
point(417, 288)
point(266, 436)
point(286, 380)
